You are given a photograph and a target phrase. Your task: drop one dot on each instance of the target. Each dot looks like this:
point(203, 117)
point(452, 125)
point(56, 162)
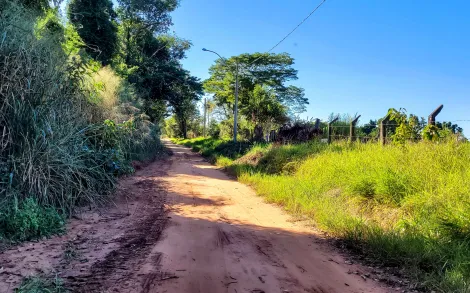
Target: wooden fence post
point(272, 136)
point(330, 130)
point(352, 129)
point(317, 124)
point(432, 117)
point(383, 129)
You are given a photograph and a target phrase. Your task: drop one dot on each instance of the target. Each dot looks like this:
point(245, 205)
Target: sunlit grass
point(406, 206)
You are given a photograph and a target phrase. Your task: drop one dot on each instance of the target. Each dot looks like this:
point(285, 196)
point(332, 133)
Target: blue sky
point(352, 56)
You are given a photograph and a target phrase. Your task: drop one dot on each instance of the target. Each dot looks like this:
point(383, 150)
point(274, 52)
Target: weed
point(29, 220)
point(70, 252)
point(41, 285)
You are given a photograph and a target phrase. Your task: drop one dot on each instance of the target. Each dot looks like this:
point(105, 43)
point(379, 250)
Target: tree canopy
point(264, 93)
point(94, 22)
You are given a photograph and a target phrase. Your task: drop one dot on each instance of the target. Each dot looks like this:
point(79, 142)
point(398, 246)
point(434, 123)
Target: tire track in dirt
point(105, 250)
point(223, 238)
point(132, 266)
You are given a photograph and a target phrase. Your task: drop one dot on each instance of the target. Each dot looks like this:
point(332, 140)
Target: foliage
point(35, 5)
point(150, 14)
point(94, 22)
point(43, 120)
point(29, 220)
point(298, 131)
point(263, 93)
point(369, 129)
point(41, 285)
point(401, 205)
point(183, 97)
point(263, 106)
point(408, 127)
point(171, 127)
point(56, 150)
point(441, 130)
point(451, 127)
point(214, 129)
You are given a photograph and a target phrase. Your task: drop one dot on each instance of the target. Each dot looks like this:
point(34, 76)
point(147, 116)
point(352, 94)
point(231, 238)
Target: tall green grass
point(56, 152)
point(406, 206)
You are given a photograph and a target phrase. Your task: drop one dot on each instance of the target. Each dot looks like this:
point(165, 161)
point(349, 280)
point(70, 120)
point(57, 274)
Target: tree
point(37, 5)
point(263, 106)
point(408, 127)
point(370, 127)
point(94, 22)
point(142, 17)
point(151, 60)
point(263, 93)
point(453, 128)
point(183, 101)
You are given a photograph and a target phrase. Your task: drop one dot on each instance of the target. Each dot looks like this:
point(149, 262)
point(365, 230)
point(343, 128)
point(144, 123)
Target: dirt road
point(182, 225)
point(223, 238)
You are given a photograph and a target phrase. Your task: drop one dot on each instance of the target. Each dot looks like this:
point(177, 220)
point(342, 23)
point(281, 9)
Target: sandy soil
point(182, 225)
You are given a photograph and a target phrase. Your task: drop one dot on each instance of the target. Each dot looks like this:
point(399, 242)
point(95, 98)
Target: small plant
point(27, 220)
point(41, 285)
point(364, 187)
point(70, 252)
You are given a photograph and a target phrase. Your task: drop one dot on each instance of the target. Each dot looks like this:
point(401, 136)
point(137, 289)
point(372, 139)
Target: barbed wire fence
point(340, 130)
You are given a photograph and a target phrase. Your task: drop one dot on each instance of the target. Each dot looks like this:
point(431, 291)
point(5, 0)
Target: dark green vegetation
point(95, 24)
point(41, 285)
point(403, 205)
point(79, 102)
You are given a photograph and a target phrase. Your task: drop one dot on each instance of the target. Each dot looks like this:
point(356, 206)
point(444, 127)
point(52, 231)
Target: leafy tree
point(263, 93)
point(441, 130)
point(94, 22)
point(151, 60)
point(262, 107)
point(369, 128)
point(142, 17)
point(409, 127)
point(37, 5)
point(453, 128)
point(214, 129)
point(183, 101)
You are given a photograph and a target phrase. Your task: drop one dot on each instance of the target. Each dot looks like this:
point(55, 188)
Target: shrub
point(29, 220)
point(41, 285)
point(214, 129)
point(55, 151)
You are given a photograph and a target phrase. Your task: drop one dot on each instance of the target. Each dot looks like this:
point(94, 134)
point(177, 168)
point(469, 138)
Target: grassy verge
point(405, 206)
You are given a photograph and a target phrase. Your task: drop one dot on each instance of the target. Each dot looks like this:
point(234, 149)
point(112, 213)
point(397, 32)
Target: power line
point(292, 31)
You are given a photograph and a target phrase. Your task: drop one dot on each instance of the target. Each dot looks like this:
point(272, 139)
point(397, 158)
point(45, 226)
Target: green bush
point(55, 150)
point(29, 220)
point(214, 129)
point(44, 116)
point(41, 285)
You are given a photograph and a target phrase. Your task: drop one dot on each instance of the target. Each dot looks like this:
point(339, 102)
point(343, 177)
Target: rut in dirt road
point(221, 237)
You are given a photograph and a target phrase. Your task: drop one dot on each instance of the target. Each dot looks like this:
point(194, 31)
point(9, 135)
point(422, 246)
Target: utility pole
point(205, 110)
point(235, 114)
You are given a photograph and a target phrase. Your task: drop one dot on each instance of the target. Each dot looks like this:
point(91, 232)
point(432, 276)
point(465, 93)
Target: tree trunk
point(128, 40)
point(185, 129)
